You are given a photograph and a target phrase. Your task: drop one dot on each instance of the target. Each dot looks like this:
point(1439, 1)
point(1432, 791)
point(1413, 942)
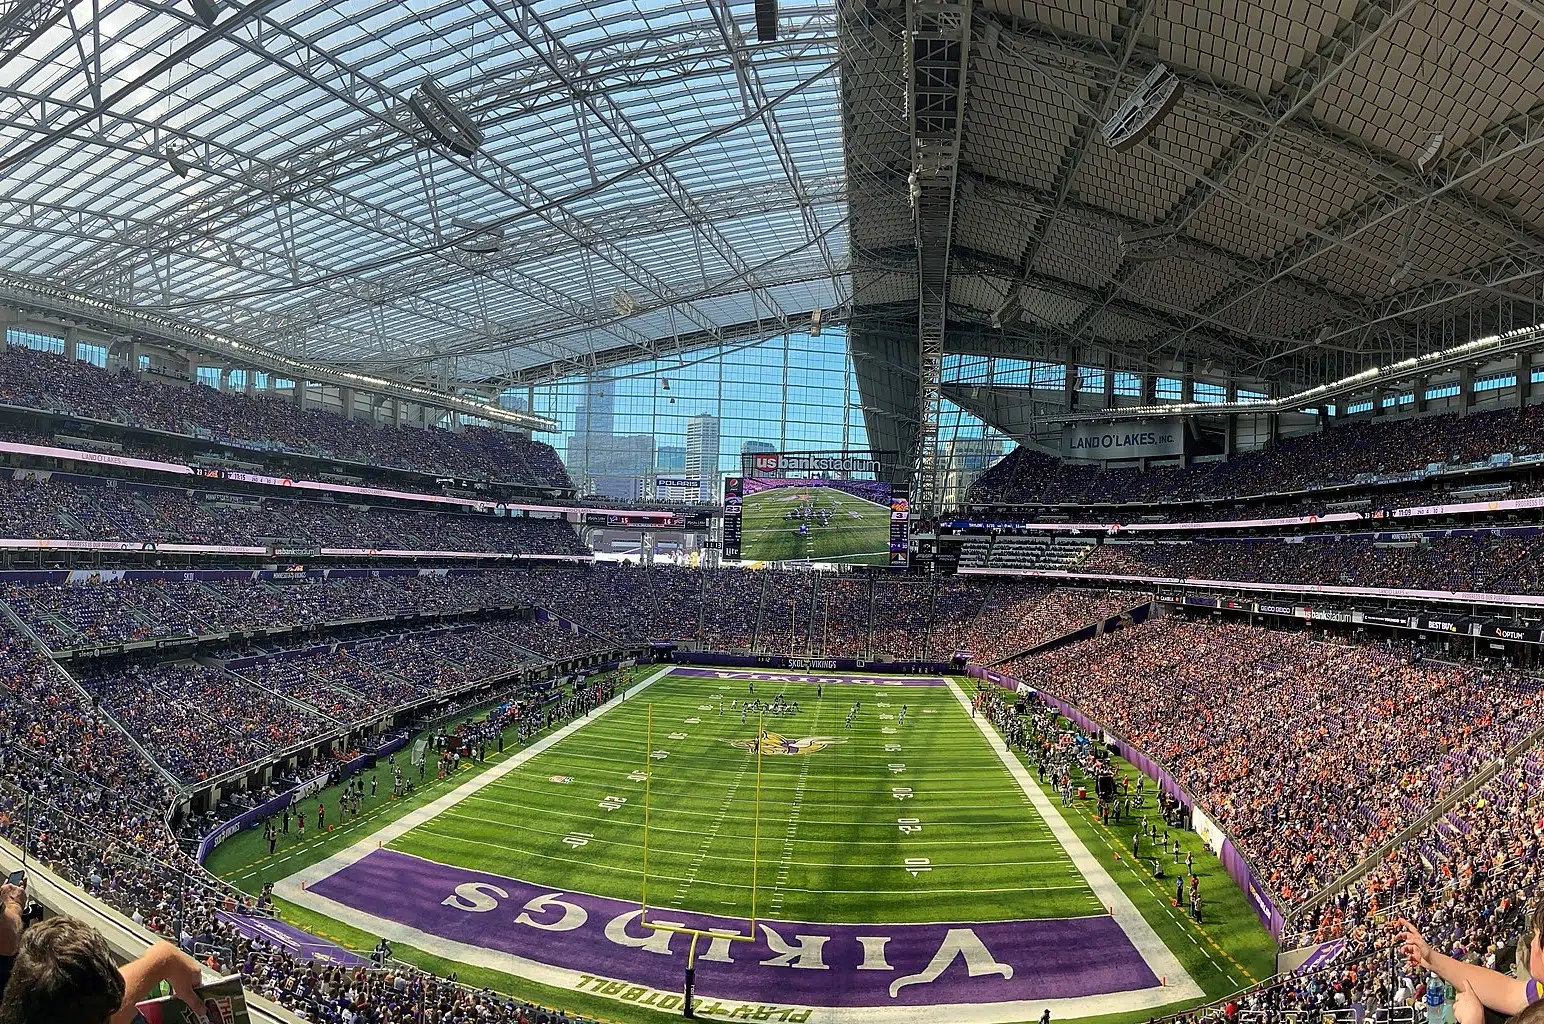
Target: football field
point(869, 852)
point(819, 524)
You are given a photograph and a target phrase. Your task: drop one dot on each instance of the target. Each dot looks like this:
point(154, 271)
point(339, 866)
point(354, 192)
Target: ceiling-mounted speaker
point(766, 21)
point(1134, 119)
point(446, 122)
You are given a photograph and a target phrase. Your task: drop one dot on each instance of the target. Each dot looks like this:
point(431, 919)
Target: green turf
point(847, 814)
point(988, 855)
point(858, 530)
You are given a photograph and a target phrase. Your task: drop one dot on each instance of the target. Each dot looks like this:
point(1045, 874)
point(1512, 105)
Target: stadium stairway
point(1135, 615)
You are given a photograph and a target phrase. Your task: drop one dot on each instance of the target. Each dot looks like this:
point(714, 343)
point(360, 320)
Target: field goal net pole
point(687, 1009)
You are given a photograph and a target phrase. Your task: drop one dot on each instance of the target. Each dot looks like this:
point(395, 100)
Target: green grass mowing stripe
point(1012, 842)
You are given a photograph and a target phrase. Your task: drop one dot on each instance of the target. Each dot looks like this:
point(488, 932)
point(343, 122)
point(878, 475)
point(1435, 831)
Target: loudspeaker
point(766, 21)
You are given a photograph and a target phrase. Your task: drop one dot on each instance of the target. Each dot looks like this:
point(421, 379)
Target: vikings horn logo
point(777, 743)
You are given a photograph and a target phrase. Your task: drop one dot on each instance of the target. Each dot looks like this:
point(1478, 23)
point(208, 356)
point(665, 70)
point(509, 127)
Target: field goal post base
point(690, 978)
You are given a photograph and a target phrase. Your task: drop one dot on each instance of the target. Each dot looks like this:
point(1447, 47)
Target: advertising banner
point(1145, 439)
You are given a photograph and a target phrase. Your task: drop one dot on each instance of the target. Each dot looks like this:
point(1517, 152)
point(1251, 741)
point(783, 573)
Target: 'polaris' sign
point(1149, 439)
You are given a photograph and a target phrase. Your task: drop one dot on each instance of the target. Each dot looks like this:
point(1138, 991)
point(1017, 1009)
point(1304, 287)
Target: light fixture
point(1400, 275)
point(766, 21)
point(437, 112)
point(664, 383)
point(623, 303)
point(479, 239)
point(1147, 244)
point(206, 11)
point(1011, 311)
point(815, 322)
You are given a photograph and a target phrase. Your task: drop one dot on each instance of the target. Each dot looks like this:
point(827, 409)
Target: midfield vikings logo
point(777, 743)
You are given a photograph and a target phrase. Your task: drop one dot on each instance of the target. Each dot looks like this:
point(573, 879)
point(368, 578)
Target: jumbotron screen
point(769, 519)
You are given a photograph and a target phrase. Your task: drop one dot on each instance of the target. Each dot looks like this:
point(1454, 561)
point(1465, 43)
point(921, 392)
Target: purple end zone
point(744, 675)
point(789, 963)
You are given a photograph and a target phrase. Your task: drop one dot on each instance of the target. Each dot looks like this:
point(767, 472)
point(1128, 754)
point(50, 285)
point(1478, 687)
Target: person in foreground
point(1483, 987)
point(64, 974)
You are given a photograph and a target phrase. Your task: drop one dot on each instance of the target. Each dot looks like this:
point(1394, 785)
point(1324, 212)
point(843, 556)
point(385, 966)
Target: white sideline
point(1153, 949)
point(288, 887)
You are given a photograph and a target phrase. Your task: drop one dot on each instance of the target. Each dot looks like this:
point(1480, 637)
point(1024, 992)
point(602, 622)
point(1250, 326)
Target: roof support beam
point(561, 62)
point(756, 98)
point(1283, 104)
point(938, 58)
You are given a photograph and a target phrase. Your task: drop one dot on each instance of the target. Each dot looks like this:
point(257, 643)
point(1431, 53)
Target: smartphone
point(16, 878)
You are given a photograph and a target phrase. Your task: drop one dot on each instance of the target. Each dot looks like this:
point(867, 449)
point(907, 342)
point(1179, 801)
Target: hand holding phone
point(17, 878)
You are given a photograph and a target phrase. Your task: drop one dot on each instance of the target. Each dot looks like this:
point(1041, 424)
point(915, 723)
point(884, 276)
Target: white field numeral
point(916, 865)
point(578, 839)
point(611, 803)
point(892, 748)
point(909, 826)
point(901, 792)
point(896, 768)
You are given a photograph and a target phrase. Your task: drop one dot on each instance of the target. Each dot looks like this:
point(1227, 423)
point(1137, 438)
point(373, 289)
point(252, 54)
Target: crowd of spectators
point(266, 422)
point(1467, 882)
point(826, 615)
point(1308, 753)
point(1334, 456)
point(109, 611)
point(1494, 564)
point(107, 510)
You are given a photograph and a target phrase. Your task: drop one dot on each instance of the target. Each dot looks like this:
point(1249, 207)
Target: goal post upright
point(749, 935)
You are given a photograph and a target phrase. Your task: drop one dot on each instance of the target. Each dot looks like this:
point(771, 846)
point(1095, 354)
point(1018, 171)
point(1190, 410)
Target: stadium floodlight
point(1011, 311)
point(815, 322)
point(1400, 275)
point(1149, 244)
point(479, 239)
point(623, 303)
point(1135, 118)
point(438, 113)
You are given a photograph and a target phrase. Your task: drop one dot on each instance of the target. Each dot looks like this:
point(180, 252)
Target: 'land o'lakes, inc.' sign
point(1147, 439)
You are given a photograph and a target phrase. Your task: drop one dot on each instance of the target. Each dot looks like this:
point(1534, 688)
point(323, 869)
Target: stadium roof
point(649, 176)
point(1342, 183)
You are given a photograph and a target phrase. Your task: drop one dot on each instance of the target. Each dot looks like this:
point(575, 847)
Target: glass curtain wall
point(693, 417)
